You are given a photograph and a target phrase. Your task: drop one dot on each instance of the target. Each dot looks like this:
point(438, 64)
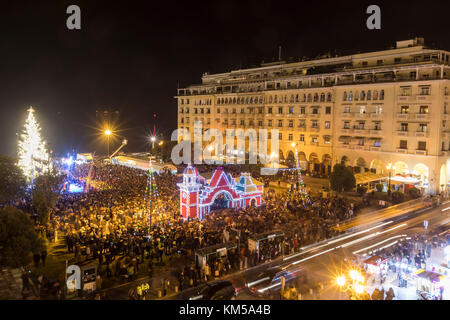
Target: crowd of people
point(110, 224)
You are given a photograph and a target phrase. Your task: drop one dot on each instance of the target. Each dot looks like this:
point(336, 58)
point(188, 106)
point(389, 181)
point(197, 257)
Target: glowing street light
point(153, 139)
point(108, 134)
point(340, 281)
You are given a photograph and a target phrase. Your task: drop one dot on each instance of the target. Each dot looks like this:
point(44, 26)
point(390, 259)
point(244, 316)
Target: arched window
point(329, 97)
point(291, 99)
point(285, 98)
point(275, 99)
point(322, 97)
point(363, 95)
point(369, 95)
point(261, 100)
point(270, 99)
point(382, 94)
point(344, 97)
point(356, 95)
point(375, 95)
point(234, 100)
point(446, 91)
point(309, 97)
point(316, 97)
point(304, 97)
point(246, 100)
point(350, 96)
point(251, 100)
point(296, 97)
point(226, 100)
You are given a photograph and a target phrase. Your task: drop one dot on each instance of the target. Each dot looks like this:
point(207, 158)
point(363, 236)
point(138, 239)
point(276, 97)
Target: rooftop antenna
point(279, 53)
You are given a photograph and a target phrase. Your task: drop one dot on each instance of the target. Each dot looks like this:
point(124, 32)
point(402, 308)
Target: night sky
point(131, 55)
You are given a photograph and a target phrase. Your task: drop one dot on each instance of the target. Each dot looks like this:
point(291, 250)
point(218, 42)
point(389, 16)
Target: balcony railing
point(402, 133)
point(421, 152)
point(359, 115)
point(422, 134)
point(402, 150)
point(314, 129)
point(346, 115)
point(375, 148)
point(402, 116)
point(421, 116)
point(376, 116)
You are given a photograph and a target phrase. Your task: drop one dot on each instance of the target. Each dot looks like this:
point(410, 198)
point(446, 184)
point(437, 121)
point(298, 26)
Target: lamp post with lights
point(108, 134)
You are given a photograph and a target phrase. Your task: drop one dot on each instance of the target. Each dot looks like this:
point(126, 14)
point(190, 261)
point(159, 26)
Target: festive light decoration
point(34, 159)
point(152, 194)
point(198, 195)
point(300, 191)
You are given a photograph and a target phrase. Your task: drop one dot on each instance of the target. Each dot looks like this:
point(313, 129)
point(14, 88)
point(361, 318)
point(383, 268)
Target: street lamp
point(389, 167)
point(153, 139)
point(340, 281)
point(108, 133)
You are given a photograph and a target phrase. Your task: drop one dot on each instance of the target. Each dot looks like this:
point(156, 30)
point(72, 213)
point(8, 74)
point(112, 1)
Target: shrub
point(361, 190)
point(398, 197)
point(414, 193)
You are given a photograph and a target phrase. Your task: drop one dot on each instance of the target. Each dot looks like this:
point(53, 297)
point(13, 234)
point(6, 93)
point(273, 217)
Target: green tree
point(12, 181)
point(342, 179)
point(18, 239)
point(47, 189)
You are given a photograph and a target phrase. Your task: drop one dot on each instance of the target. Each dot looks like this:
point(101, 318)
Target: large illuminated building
point(378, 111)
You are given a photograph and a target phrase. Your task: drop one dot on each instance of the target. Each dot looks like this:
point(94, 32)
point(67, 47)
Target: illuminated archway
point(377, 165)
point(421, 170)
point(400, 167)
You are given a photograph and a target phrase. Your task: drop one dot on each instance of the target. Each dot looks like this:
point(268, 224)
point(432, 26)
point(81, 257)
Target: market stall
point(255, 241)
point(429, 285)
point(202, 256)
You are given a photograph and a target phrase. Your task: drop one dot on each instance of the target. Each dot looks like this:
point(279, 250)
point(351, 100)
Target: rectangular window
point(314, 124)
point(327, 124)
point(403, 144)
point(291, 110)
point(290, 137)
point(347, 109)
point(280, 136)
point(269, 123)
point(404, 127)
point(280, 123)
point(291, 123)
point(422, 145)
point(302, 137)
point(269, 110)
point(423, 109)
point(404, 110)
point(346, 125)
point(315, 111)
point(327, 110)
point(280, 110)
point(302, 110)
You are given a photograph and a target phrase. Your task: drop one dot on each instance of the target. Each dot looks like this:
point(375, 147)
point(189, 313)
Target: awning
point(366, 177)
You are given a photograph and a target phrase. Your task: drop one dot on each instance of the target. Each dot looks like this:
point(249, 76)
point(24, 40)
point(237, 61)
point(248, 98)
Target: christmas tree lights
point(34, 159)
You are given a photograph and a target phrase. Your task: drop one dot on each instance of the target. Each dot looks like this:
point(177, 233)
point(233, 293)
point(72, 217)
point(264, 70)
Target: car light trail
point(337, 240)
point(378, 243)
point(257, 281)
point(371, 235)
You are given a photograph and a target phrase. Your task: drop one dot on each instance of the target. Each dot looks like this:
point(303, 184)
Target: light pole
point(389, 167)
point(108, 133)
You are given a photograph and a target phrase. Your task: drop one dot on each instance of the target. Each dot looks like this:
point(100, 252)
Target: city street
point(322, 261)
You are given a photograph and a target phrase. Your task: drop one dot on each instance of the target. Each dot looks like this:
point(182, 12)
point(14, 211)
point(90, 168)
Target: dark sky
point(131, 55)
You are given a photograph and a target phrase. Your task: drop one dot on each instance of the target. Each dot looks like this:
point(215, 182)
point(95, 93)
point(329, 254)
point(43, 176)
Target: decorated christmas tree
point(152, 194)
point(34, 159)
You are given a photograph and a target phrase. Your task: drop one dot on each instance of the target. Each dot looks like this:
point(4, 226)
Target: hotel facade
point(386, 111)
